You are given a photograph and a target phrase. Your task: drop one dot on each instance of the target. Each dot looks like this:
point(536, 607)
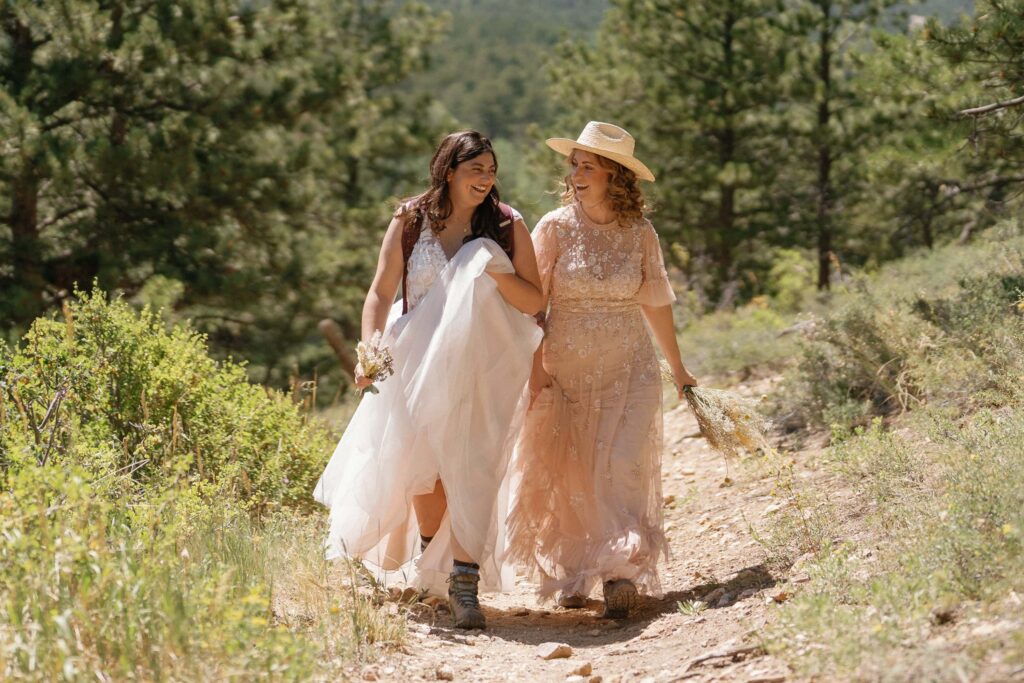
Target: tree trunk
point(926, 232)
point(26, 250)
point(23, 220)
point(823, 217)
point(726, 228)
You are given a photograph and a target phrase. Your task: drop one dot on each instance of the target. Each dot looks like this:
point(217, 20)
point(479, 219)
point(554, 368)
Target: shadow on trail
point(583, 628)
point(756, 577)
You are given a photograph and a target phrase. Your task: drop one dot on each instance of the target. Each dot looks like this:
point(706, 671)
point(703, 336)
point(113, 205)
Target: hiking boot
point(462, 598)
point(572, 601)
point(620, 596)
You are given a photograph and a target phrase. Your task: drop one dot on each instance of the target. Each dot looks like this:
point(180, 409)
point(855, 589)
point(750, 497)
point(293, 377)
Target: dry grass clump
point(731, 423)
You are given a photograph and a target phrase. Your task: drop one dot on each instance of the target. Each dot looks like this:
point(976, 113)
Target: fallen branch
point(720, 654)
point(331, 331)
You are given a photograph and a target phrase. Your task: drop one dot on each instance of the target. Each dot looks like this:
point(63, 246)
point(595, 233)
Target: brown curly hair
point(623, 190)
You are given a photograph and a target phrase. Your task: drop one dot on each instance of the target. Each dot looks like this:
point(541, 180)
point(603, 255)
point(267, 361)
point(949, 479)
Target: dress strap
point(508, 224)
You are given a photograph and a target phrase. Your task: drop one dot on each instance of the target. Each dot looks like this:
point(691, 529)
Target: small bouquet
point(729, 422)
point(376, 362)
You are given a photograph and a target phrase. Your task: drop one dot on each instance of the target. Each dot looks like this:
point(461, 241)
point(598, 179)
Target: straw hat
point(607, 140)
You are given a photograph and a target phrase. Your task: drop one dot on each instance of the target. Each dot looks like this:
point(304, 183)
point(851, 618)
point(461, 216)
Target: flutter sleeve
point(655, 289)
point(545, 244)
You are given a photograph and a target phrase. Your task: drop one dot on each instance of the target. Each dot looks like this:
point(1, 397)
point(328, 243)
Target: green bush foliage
point(942, 328)
point(939, 491)
point(92, 588)
point(111, 390)
point(152, 520)
point(739, 342)
point(948, 525)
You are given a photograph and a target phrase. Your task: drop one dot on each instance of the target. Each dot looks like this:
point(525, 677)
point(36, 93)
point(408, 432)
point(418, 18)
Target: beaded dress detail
point(589, 505)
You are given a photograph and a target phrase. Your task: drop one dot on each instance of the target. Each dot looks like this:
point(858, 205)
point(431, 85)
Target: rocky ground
point(709, 513)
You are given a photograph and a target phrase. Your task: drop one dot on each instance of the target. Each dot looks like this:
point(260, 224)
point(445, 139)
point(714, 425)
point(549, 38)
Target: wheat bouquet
point(731, 423)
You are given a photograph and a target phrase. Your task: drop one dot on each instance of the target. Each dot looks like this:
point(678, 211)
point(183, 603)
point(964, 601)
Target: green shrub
point(791, 279)
point(946, 328)
point(152, 520)
point(738, 342)
point(94, 589)
point(124, 394)
point(947, 504)
point(941, 498)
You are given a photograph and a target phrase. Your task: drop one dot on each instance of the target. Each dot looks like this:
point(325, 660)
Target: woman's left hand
point(683, 379)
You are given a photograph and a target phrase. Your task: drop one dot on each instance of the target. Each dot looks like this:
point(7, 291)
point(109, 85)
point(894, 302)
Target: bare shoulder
point(520, 230)
point(396, 231)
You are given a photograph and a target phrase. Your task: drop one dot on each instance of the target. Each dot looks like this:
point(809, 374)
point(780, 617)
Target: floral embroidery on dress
point(426, 262)
point(600, 436)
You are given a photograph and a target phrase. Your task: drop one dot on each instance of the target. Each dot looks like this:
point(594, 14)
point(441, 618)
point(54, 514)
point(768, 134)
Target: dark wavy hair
point(624, 191)
point(455, 149)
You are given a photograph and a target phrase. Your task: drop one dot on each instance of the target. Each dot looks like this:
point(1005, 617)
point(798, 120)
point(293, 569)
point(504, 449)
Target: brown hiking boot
point(620, 596)
point(572, 601)
point(462, 598)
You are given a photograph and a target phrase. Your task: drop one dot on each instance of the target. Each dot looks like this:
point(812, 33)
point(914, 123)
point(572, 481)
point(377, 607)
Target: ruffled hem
point(631, 555)
point(554, 527)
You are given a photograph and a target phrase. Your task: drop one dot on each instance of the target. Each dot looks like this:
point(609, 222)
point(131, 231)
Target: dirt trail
point(714, 558)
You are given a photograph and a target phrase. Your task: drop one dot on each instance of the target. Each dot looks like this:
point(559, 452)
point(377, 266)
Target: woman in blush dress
point(417, 485)
point(589, 507)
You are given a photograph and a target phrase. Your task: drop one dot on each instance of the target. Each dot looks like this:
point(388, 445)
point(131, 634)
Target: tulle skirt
point(452, 411)
point(588, 504)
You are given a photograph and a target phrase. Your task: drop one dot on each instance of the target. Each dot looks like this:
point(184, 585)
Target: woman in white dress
point(421, 468)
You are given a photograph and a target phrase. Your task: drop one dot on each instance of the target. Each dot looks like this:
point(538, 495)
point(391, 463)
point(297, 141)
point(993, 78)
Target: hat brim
point(565, 146)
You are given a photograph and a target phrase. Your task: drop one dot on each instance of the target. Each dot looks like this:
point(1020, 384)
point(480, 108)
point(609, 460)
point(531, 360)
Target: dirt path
point(715, 560)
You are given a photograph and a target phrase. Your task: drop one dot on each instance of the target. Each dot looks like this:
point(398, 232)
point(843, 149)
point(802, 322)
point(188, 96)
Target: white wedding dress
point(452, 411)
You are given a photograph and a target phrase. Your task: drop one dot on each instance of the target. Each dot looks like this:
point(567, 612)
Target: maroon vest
point(413, 228)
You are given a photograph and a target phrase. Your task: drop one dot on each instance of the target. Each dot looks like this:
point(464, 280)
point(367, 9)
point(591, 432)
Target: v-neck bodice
point(426, 262)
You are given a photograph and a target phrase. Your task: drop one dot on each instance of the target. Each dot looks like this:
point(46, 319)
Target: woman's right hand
point(361, 380)
point(539, 380)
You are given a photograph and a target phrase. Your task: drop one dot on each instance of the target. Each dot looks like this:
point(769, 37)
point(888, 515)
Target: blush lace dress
point(452, 411)
point(589, 507)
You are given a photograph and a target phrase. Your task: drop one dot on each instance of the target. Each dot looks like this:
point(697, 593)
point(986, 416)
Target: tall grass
point(940, 328)
point(919, 370)
point(153, 515)
point(90, 588)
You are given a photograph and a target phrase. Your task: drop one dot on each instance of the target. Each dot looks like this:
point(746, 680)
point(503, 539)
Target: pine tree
point(916, 172)
point(832, 119)
point(697, 82)
point(988, 52)
point(241, 150)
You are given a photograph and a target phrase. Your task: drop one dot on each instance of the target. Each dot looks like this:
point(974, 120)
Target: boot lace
point(464, 589)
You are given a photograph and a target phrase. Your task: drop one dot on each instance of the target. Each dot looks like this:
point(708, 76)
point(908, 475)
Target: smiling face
point(471, 181)
point(589, 178)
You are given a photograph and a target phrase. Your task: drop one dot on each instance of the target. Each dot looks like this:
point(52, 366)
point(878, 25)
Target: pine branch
point(62, 215)
point(983, 184)
point(995, 106)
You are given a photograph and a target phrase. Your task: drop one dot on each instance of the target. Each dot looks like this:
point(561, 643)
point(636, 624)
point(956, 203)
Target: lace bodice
point(589, 265)
point(426, 262)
